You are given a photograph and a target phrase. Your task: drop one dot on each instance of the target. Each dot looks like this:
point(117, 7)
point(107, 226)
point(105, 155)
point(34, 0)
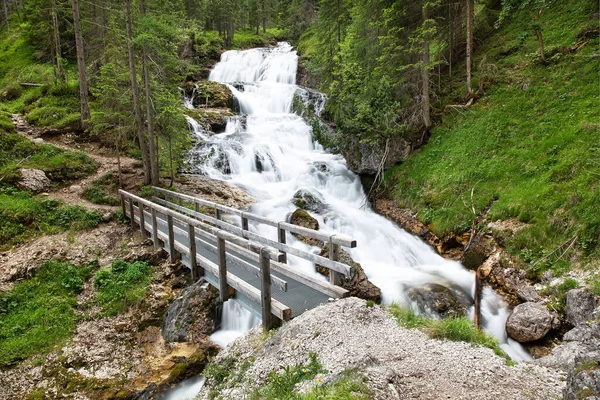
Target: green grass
point(454, 329)
point(60, 165)
point(558, 294)
point(248, 39)
point(23, 216)
point(350, 385)
point(121, 285)
point(531, 154)
point(280, 384)
point(38, 314)
point(101, 191)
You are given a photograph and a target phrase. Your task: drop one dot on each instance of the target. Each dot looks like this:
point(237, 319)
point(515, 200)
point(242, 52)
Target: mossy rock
point(213, 119)
point(209, 94)
point(302, 218)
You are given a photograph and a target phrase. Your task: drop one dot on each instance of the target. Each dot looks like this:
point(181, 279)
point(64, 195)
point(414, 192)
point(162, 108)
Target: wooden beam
point(223, 293)
point(281, 238)
point(265, 291)
point(131, 214)
point(193, 264)
point(171, 239)
point(154, 229)
point(334, 255)
point(141, 218)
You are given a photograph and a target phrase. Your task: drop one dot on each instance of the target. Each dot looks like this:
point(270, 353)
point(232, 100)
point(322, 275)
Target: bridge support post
point(477, 306)
point(141, 215)
point(244, 223)
point(223, 290)
point(123, 206)
point(196, 272)
point(154, 229)
point(268, 321)
point(334, 255)
point(217, 213)
point(171, 238)
point(131, 214)
point(281, 239)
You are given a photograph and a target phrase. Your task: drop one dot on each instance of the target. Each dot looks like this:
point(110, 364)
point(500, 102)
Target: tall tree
point(426, 60)
point(135, 94)
point(470, 22)
point(54, 29)
point(81, 69)
point(6, 15)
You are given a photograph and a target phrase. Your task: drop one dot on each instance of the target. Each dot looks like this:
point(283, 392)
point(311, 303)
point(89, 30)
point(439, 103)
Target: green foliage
point(37, 315)
point(101, 191)
point(349, 385)
point(121, 285)
point(455, 329)
point(528, 149)
point(23, 216)
point(558, 294)
point(281, 384)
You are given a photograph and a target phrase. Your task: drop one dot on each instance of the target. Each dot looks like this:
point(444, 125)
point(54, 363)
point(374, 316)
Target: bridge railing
point(177, 200)
point(148, 214)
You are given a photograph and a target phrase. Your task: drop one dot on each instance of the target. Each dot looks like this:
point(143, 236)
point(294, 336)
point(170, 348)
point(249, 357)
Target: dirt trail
point(106, 163)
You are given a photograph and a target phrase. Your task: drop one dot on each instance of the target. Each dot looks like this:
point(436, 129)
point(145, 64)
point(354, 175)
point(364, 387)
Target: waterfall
point(235, 321)
point(272, 155)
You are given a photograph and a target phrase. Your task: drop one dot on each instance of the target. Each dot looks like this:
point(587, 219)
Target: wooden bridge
point(215, 242)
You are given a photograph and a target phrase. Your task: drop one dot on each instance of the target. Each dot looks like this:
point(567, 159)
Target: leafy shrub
point(121, 285)
point(38, 314)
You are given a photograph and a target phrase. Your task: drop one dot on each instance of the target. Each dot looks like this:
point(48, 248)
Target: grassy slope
point(533, 154)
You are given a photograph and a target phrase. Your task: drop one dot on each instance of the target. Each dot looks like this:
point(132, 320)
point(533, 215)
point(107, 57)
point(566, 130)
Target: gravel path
point(398, 363)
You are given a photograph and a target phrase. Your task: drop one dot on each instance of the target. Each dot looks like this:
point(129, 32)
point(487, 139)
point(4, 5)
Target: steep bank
point(350, 340)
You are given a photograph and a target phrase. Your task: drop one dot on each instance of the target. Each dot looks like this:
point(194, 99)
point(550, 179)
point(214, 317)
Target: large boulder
point(438, 299)
point(303, 218)
point(306, 200)
point(365, 158)
point(189, 317)
point(212, 119)
point(528, 322)
point(208, 94)
point(358, 284)
point(583, 379)
point(34, 180)
point(580, 306)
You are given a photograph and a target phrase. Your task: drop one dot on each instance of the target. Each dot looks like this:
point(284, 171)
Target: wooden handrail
point(341, 240)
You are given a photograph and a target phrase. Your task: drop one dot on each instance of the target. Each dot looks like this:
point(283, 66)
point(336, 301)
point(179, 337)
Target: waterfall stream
point(269, 151)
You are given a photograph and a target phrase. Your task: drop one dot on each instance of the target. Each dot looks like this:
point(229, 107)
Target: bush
point(38, 314)
point(121, 285)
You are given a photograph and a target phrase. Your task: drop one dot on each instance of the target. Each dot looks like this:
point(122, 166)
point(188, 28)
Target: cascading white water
point(270, 153)
point(235, 321)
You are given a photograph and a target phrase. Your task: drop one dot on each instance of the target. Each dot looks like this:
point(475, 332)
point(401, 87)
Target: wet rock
point(440, 300)
point(212, 190)
point(209, 94)
point(306, 200)
point(580, 306)
point(302, 218)
point(580, 341)
point(34, 180)
point(357, 283)
point(365, 158)
point(479, 249)
point(528, 322)
point(188, 318)
point(212, 119)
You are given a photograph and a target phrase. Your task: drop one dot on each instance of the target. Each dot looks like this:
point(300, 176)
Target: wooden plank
point(171, 239)
point(193, 264)
point(233, 230)
point(131, 214)
point(123, 206)
point(265, 291)
point(281, 238)
point(244, 223)
point(320, 235)
point(154, 229)
point(334, 255)
point(223, 292)
point(141, 219)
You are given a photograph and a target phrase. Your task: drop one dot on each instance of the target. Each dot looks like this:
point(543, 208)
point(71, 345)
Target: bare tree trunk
point(450, 41)
point(60, 72)
point(83, 90)
point(136, 95)
point(470, 21)
point(538, 14)
point(171, 161)
point(425, 77)
point(154, 172)
point(264, 15)
point(6, 16)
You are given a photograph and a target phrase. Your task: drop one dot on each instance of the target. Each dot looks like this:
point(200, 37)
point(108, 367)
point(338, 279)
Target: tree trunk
point(6, 16)
point(135, 94)
point(154, 172)
point(470, 21)
point(425, 76)
point(538, 14)
point(60, 72)
point(83, 90)
point(264, 16)
point(450, 41)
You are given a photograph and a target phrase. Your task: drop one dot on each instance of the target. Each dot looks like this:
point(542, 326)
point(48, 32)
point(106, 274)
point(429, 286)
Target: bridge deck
point(298, 297)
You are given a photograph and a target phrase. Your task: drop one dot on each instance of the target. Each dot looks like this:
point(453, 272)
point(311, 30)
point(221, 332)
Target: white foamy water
point(269, 151)
point(186, 390)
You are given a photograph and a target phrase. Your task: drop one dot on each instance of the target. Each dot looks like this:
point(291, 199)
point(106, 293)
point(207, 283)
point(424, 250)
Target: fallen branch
point(28, 84)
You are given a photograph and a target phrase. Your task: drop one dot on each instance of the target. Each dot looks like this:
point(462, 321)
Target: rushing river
point(269, 151)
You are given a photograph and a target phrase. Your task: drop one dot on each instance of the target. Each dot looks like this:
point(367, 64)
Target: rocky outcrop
point(306, 200)
point(190, 317)
point(365, 158)
point(440, 300)
point(212, 119)
point(580, 306)
point(208, 94)
point(34, 180)
point(303, 218)
point(357, 283)
point(395, 363)
point(214, 190)
point(583, 379)
point(528, 322)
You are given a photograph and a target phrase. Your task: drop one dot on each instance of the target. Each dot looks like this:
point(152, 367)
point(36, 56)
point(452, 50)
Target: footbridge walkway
point(221, 244)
